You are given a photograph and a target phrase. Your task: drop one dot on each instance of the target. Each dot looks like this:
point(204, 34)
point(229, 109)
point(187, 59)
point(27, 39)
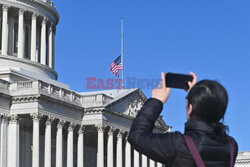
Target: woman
point(206, 105)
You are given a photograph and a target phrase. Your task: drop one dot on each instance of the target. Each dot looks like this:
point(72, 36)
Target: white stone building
point(243, 159)
point(43, 122)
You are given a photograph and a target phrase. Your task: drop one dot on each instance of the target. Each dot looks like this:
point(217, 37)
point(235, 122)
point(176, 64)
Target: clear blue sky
point(209, 37)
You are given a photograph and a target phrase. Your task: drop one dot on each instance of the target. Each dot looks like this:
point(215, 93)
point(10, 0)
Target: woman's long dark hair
point(209, 103)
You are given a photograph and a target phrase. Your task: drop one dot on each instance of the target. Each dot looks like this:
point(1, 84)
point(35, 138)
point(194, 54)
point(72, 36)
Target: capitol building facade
point(43, 122)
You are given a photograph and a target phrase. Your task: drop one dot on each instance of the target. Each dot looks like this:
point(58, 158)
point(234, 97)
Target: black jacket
point(170, 148)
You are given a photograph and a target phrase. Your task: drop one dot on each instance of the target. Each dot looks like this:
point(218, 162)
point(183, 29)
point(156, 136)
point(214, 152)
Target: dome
point(27, 38)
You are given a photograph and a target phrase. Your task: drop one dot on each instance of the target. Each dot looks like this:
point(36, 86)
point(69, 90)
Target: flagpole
point(122, 48)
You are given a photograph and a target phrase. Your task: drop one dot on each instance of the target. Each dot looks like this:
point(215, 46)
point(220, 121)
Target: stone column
point(20, 51)
point(47, 150)
point(43, 42)
point(151, 163)
point(5, 30)
point(0, 133)
point(33, 37)
point(70, 143)
point(53, 49)
point(80, 147)
point(13, 140)
point(100, 146)
point(50, 47)
point(136, 158)
point(35, 147)
point(144, 160)
point(119, 149)
point(127, 154)
point(110, 155)
point(59, 144)
point(159, 164)
point(3, 151)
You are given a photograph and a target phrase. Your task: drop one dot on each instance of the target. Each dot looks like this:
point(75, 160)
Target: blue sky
point(210, 38)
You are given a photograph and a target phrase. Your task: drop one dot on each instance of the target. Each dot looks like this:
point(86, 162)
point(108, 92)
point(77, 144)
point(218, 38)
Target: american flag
point(116, 66)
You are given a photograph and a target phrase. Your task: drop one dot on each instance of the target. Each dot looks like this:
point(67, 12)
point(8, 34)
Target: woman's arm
point(160, 147)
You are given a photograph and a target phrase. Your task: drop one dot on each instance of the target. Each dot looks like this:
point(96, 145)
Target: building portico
point(52, 126)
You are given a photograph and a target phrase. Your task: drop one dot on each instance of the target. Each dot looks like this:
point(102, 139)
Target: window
point(27, 42)
point(15, 38)
point(38, 44)
point(0, 33)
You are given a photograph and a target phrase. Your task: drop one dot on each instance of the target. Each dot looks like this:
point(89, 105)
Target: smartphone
point(179, 81)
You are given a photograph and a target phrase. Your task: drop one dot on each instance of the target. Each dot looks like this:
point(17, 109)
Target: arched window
point(15, 38)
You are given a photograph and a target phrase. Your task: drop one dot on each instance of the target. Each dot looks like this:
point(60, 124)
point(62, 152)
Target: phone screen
point(179, 81)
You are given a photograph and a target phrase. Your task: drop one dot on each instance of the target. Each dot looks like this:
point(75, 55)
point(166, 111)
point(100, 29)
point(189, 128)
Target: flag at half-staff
point(116, 66)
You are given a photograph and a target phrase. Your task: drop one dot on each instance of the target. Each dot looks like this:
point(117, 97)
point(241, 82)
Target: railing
point(95, 100)
point(49, 2)
point(40, 87)
point(24, 85)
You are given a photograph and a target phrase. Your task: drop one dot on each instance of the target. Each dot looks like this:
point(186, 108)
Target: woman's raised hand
point(161, 92)
point(191, 84)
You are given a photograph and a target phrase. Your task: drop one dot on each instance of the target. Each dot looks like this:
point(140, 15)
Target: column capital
point(71, 126)
point(36, 117)
point(44, 20)
point(100, 128)
point(4, 116)
point(82, 129)
point(111, 131)
point(51, 25)
point(50, 28)
point(14, 119)
point(34, 15)
point(120, 134)
point(21, 11)
point(54, 29)
point(49, 120)
point(61, 123)
point(126, 135)
point(5, 7)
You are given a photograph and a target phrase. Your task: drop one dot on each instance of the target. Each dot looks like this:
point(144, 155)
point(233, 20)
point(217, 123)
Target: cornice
point(21, 99)
point(121, 115)
point(93, 110)
point(29, 62)
point(38, 97)
point(242, 162)
point(36, 6)
point(117, 114)
point(64, 102)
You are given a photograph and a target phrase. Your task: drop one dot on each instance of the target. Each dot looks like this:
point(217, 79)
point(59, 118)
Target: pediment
point(129, 104)
point(124, 101)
